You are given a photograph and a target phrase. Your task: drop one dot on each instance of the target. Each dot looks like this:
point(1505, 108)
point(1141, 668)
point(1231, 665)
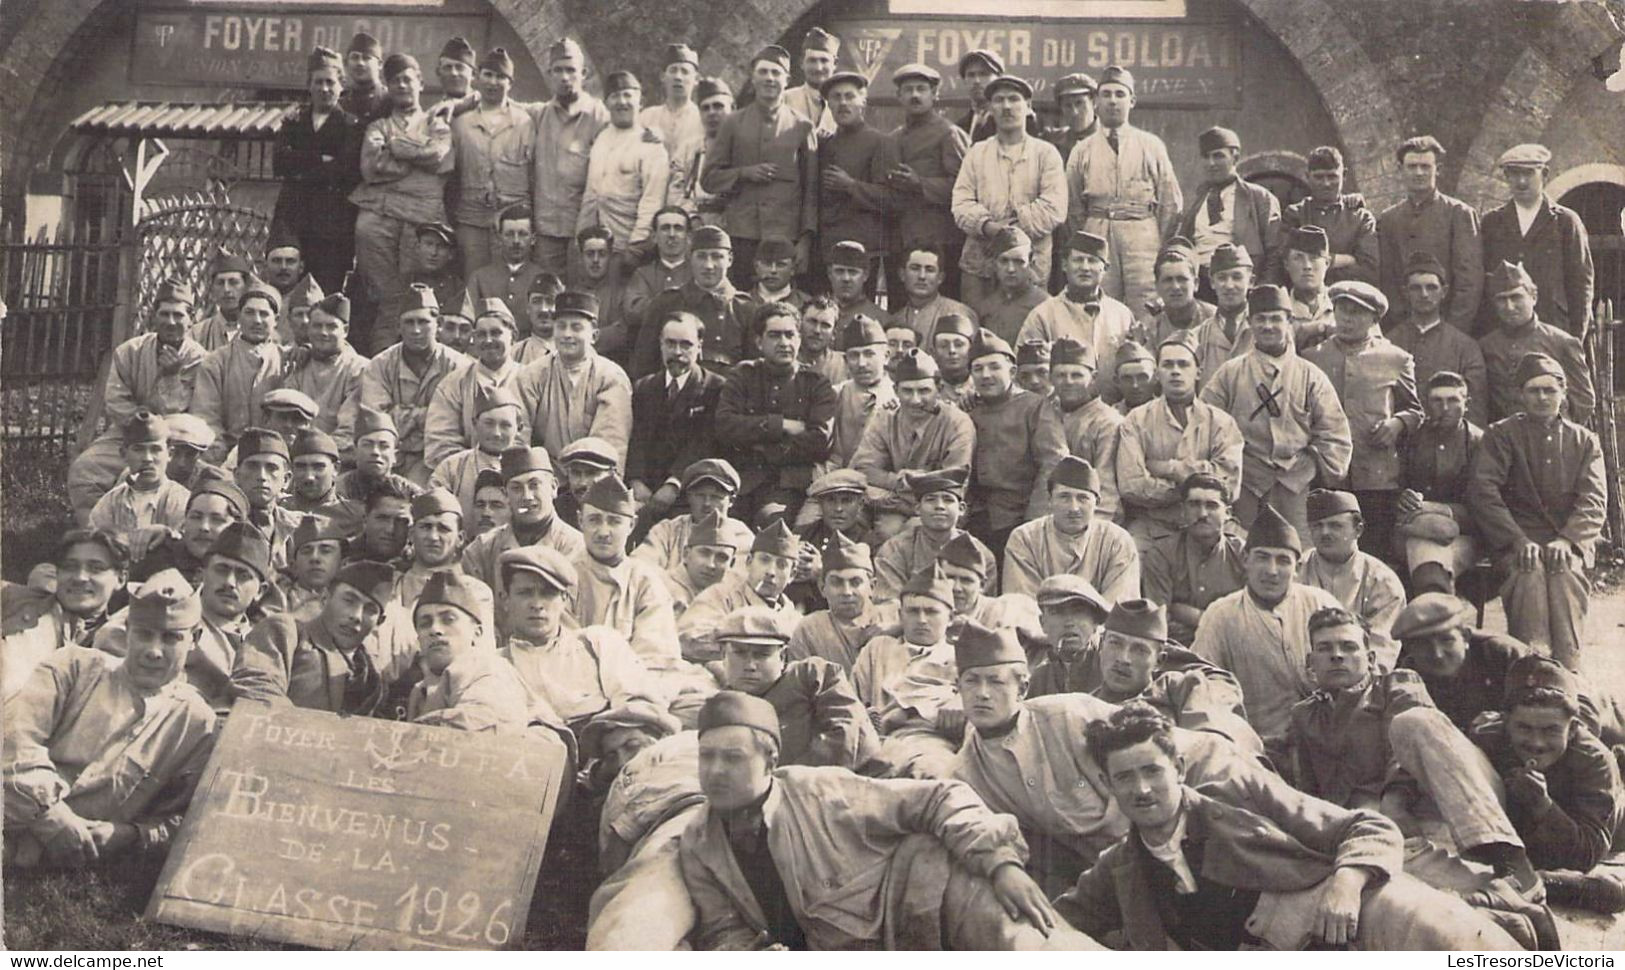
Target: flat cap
point(1432, 613)
point(1071, 588)
point(288, 399)
point(1536, 364)
point(374, 580)
point(732, 708)
point(244, 542)
point(1069, 351)
point(610, 494)
point(370, 420)
point(777, 540)
point(439, 230)
point(839, 480)
point(544, 561)
point(991, 59)
point(964, 552)
point(1078, 83)
point(950, 480)
point(1117, 74)
point(262, 441)
point(435, 501)
point(1075, 472)
point(1139, 618)
point(757, 624)
point(1271, 531)
point(174, 291)
point(1020, 85)
point(849, 252)
point(642, 715)
point(914, 364)
point(843, 77)
point(1229, 256)
point(1422, 261)
point(1263, 299)
point(1508, 277)
point(523, 461)
point(1360, 292)
point(1309, 239)
point(1528, 155)
point(314, 441)
point(590, 450)
point(916, 71)
point(448, 588)
point(930, 581)
point(189, 430)
point(166, 601)
point(1216, 138)
point(843, 553)
point(712, 470)
point(144, 426)
point(978, 646)
point(1081, 241)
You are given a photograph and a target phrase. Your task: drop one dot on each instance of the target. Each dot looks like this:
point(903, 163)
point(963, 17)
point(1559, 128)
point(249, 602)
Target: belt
point(1120, 214)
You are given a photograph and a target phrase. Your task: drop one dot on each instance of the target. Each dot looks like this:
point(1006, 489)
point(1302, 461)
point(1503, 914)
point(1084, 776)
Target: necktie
point(1111, 139)
point(673, 388)
point(1215, 202)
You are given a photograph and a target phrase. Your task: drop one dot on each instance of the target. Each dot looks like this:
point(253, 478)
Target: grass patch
point(34, 507)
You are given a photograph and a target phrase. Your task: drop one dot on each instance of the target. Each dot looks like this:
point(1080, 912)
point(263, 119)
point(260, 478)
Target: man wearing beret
point(146, 497)
point(1082, 311)
point(929, 150)
point(1011, 180)
point(1073, 539)
point(627, 172)
point(853, 162)
point(449, 422)
point(234, 379)
point(36, 623)
point(1122, 187)
point(531, 483)
point(939, 499)
point(1019, 441)
point(405, 158)
point(1292, 424)
point(821, 720)
point(1438, 348)
point(402, 379)
point(581, 672)
point(1512, 297)
point(770, 565)
point(495, 145)
point(1230, 209)
point(819, 51)
point(761, 820)
point(1064, 652)
point(922, 434)
point(1260, 633)
point(1538, 496)
point(143, 732)
point(156, 371)
point(1547, 239)
point(1250, 862)
point(330, 372)
point(331, 662)
point(765, 164)
point(1432, 222)
point(316, 157)
point(1376, 385)
point(1350, 227)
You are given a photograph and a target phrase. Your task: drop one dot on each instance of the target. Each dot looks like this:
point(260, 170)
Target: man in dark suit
point(1250, 860)
point(1548, 239)
point(1230, 209)
point(976, 69)
point(707, 295)
point(318, 158)
point(673, 411)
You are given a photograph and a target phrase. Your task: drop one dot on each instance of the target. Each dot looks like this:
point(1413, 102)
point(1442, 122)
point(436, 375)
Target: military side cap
point(264, 292)
point(226, 261)
point(621, 81)
point(1078, 83)
point(224, 488)
point(371, 420)
point(1216, 138)
point(335, 305)
point(990, 58)
point(244, 542)
point(916, 71)
point(166, 601)
point(314, 442)
point(1069, 351)
point(1324, 503)
point(773, 54)
point(777, 540)
point(1309, 239)
point(711, 470)
point(174, 291)
point(641, 715)
point(732, 708)
point(843, 553)
point(365, 43)
point(1032, 352)
point(988, 343)
point(288, 399)
point(321, 57)
point(1139, 618)
point(1117, 74)
point(1086, 242)
point(305, 293)
point(957, 324)
point(1074, 472)
point(1179, 245)
point(397, 64)
point(448, 588)
point(1508, 277)
point(1182, 338)
point(682, 54)
point(978, 646)
point(1271, 531)
point(1262, 299)
point(610, 494)
point(710, 87)
point(775, 248)
point(490, 397)
point(1009, 239)
point(849, 252)
point(493, 307)
point(314, 528)
point(435, 501)
point(707, 531)
point(843, 77)
point(419, 296)
point(189, 430)
point(262, 441)
point(1360, 292)
point(497, 61)
point(1229, 256)
point(757, 624)
point(932, 582)
point(565, 50)
point(1020, 85)
point(439, 230)
point(862, 331)
point(1422, 261)
point(1131, 351)
point(1071, 588)
point(950, 480)
point(1535, 672)
point(544, 561)
point(145, 426)
point(819, 39)
point(1535, 364)
point(709, 237)
point(1528, 155)
point(1431, 613)
point(523, 461)
point(458, 49)
point(589, 450)
point(840, 480)
point(962, 551)
point(914, 365)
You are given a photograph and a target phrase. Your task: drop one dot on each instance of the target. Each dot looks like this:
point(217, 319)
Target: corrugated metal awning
point(185, 119)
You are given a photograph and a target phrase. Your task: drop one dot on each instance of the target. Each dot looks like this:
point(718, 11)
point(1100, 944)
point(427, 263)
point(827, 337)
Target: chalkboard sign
point(356, 833)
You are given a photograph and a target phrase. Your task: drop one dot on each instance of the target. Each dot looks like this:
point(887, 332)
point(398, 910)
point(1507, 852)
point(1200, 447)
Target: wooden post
point(124, 309)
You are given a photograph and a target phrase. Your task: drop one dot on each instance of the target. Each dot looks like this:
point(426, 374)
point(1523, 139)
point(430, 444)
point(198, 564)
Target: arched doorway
point(1601, 206)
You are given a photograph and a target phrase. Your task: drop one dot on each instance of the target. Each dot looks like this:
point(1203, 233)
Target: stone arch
point(1585, 174)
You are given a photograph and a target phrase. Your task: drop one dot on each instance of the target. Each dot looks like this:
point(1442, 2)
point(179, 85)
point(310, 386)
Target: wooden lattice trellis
point(179, 237)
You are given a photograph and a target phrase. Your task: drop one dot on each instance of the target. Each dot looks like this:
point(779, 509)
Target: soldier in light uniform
point(1091, 426)
point(819, 50)
point(401, 381)
point(627, 595)
point(1364, 584)
point(449, 423)
point(627, 174)
point(495, 146)
point(37, 623)
point(531, 483)
point(330, 374)
point(497, 427)
point(1082, 311)
point(1072, 539)
point(233, 379)
point(922, 434)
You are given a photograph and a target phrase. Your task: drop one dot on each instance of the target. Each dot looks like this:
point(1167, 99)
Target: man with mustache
point(929, 150)
point(237, 590)
point(530, 483)
point(1073, 539)
point(36, 623)
point(921, 434)
point(1187, 570)
point(143, 732)
point(146, 497)
point(622, 593)
point(672, 411)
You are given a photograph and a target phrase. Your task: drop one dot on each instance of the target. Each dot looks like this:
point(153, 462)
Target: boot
point(1591, 891)
point(1500, 895)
